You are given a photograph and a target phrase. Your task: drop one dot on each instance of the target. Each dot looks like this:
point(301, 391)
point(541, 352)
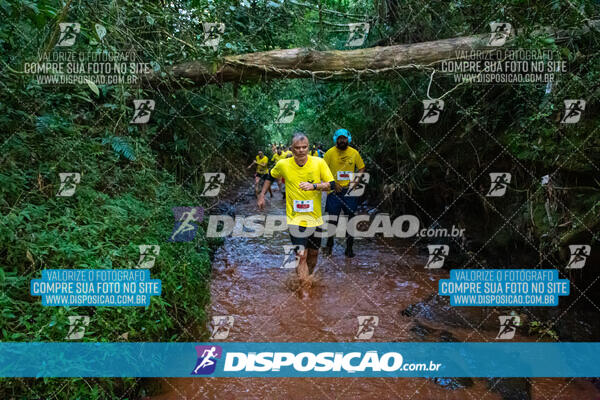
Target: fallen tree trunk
point(336, 64)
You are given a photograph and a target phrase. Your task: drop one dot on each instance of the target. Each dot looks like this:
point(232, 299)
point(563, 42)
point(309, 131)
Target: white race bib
point(344, 175)
point(303, 205)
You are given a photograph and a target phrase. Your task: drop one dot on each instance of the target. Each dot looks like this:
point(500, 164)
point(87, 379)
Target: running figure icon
point(207, 359)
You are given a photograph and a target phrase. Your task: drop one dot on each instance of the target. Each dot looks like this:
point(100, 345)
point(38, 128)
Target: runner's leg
point(298, 236)
point(332, 207)
point(349, 205)
point(256, 184)
point(302, 269)
point(313, 244)
point(311, 259)
point(270, 192)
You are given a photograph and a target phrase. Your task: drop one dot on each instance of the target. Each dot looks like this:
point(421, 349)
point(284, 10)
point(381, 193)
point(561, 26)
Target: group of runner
point(306, 174)
point(279, 152)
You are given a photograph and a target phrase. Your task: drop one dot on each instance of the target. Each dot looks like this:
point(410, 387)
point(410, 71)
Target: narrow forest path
point(384, 279)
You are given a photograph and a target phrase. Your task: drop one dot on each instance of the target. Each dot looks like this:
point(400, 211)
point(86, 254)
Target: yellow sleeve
point(276, 170)
point(359, 161)
point(327, 157)
point(326, 175)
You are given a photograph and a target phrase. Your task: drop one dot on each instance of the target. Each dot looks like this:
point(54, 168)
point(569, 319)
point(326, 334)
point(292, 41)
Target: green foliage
point(120, 146)
point(542, 329)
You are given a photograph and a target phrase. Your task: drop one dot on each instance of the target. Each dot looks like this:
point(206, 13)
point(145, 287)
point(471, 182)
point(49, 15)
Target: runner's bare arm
point(260, 200)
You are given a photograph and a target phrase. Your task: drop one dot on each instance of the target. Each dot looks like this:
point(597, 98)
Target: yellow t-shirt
point(261, 165)
point(302, 207)
point(276, 157)
point(343, 163)
point(314, 153)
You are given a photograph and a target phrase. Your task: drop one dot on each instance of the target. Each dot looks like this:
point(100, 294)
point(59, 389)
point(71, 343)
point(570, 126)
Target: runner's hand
point(306, 186)
point(338, 187)
point(260, 201)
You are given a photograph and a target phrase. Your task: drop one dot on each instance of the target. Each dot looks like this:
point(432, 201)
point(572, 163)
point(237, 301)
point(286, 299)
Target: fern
point(48, 123)
point(120, 146)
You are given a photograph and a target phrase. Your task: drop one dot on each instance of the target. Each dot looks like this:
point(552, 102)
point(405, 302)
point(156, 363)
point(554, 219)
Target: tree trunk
point(335, 64)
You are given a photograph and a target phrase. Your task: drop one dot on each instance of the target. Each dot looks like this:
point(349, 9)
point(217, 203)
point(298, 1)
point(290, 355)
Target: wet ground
point(386, 279)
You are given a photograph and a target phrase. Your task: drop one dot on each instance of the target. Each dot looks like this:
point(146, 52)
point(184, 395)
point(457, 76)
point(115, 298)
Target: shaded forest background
point(131, 175)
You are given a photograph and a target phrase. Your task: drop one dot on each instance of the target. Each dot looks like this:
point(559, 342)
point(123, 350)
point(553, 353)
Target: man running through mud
point(279, 155)
point(262, 171)
point(305, 178)
point(346, 164)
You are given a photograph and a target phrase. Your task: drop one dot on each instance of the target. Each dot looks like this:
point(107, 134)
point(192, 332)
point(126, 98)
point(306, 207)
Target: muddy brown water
point(384, 278)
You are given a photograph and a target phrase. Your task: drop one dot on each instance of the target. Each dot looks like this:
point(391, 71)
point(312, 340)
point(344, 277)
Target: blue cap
point(341, 132)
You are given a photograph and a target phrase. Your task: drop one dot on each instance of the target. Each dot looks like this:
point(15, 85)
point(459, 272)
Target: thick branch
point(338, 64)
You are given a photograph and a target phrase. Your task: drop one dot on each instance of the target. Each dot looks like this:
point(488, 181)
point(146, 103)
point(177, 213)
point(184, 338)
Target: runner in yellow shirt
point(305, 178)
point(344, 162)
point(279, 155)
point(262, 171)
point(313, 151)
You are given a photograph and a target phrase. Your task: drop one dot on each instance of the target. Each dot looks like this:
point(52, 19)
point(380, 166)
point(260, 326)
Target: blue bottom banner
point(235, 359)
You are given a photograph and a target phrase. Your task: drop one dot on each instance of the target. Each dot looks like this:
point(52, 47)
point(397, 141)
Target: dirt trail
point(383, 279)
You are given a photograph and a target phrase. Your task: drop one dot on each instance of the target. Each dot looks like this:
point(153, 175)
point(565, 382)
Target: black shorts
point(262, 176)
point(308, 236)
